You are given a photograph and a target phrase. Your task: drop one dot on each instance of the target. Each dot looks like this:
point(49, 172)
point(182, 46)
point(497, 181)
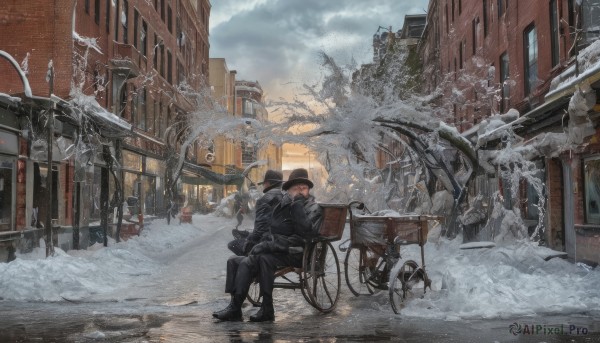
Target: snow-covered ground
point(499, 282)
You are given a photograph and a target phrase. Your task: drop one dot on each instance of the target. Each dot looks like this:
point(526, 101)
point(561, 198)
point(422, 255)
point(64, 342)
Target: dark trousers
point(241, 271)
point(268, 264)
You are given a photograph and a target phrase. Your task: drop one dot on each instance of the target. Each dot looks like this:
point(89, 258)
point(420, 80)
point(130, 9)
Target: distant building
point(222, 156)
point(249, 104)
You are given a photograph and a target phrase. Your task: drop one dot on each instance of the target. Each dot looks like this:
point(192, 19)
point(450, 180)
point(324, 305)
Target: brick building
point(249, 103)
point(115, 66)
point(494, 55)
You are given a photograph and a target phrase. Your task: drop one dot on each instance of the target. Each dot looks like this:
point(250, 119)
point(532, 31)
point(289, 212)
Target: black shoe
point(232, 315)
point(263, 315)
point(233, 311)
point(229, 307)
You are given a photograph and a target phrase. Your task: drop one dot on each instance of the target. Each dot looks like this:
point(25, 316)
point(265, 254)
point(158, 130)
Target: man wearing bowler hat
point(264, 208)
point(295, 219)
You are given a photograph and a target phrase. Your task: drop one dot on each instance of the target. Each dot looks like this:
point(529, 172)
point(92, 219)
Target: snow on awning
point(9, 99)
point(101, 116)
point(588, 78)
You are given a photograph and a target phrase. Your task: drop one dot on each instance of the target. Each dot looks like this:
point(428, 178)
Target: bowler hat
point(273, 177)
point(299, 175)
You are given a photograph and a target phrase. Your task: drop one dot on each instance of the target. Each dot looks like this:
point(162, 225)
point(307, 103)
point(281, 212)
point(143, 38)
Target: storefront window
point(132, 186)
point(6, 193)
point(155, 167)
point(149, 195)
point(592, 190)
point(132, 161)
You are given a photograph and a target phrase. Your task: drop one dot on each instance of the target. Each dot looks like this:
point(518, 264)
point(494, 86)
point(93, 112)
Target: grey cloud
point(270, 42)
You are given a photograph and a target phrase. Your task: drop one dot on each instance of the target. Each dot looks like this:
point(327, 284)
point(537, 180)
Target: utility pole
point(49, 179)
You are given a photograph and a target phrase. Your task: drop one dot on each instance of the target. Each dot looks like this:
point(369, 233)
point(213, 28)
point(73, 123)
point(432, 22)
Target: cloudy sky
point(277, 42)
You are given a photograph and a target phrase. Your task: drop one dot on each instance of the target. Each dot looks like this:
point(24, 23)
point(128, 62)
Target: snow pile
point(79, 274)
point(503, 281)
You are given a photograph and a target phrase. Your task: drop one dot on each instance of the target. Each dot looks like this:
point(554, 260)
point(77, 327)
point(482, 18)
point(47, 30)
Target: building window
point(459, 7)
point(572, 9)
point(124, 18)
point(475, 34)
point(141, 115)
point(485, 18)
point(592, 190)
point(248, 153)
point(7, 183)
point(162, 60)
point(554, 32)
point(590, 22)
point(94, 192)
point(504, 84)
point(460, 54)
point(40, 186)
point(117, 20)
point(169, 67)
point(158, 115)
point(86, 5)
point(452, 10)
point(530, 50)
point(447, 21)
point(107, 19)
point(248, 108)
point(136, 21)
point(170, 19)
point(155, 52)
point(162, 10)
point(501, 8)
point(507, 193)
point(143, 41)
point(180, 73)
point(97, 11)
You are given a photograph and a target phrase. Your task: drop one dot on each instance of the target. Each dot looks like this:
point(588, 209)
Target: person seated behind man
point(264, 209)
point(295, 219)
point(272, 195)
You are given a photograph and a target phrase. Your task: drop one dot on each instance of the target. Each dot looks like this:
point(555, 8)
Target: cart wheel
point(356, 270)
point(303, 276)
point(254, 294)
point(321, 276)
point(402, 281)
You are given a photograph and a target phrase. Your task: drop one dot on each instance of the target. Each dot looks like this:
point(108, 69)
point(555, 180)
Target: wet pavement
point(136, 322)
point(175, 305)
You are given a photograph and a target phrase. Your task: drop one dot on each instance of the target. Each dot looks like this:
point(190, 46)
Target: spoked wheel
point(402, 282)
point(254, 294)
point(321, 276)
point(357, 271)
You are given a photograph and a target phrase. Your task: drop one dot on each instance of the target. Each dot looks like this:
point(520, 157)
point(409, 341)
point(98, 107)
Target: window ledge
point(588, 229)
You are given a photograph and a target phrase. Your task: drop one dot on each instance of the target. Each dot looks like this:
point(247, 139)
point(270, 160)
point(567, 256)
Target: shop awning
point(210, 176)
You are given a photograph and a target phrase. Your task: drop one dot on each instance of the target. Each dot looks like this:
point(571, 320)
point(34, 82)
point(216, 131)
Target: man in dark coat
point(272, 195)
point(264, 209)
point(295, 219)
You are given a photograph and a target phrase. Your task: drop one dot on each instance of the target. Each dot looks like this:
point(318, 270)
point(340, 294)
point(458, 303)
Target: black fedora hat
point(299, 175)
point(272, 176)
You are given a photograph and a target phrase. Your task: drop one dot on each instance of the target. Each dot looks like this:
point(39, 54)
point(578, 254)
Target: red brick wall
point(42, 29)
